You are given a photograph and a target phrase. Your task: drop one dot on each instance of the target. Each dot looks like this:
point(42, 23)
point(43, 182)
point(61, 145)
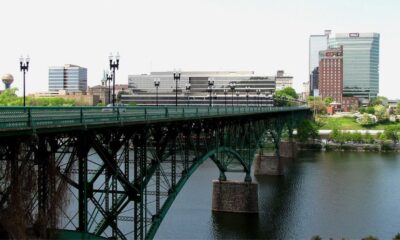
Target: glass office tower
point(360, 63)
point(69, 77)
point(317, 43)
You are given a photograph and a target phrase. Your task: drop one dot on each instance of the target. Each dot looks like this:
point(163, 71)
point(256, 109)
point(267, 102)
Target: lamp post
point(210, 87)
point(225, 93)
point(24, 66)
point(232, 85)
point(156, 84)
point(247, 89)
point(187, 86)
point(109, 78)
point(114, 64)
point(177, 77)
point(237, 98)
point(258, 92)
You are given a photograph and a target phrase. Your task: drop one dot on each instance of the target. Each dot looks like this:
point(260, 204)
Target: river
point(331, 194)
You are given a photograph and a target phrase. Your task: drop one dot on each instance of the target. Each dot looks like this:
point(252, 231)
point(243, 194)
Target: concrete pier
point(288, 150)
point(235, 196)
point(270, 165)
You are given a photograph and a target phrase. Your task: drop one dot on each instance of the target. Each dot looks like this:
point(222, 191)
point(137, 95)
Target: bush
point(367, 119)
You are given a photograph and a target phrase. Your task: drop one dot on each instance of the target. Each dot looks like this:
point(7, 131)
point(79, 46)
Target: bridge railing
point(36, 117)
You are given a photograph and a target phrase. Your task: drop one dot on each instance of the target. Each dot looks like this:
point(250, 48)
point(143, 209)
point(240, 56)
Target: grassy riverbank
point(349, 123)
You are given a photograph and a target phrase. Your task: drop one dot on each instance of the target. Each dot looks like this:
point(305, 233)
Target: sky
point(159, 35)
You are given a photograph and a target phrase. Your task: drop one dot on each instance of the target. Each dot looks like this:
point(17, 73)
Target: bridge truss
point(119, 181)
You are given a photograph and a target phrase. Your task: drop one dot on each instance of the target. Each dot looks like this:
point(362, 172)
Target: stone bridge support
point(235, 196)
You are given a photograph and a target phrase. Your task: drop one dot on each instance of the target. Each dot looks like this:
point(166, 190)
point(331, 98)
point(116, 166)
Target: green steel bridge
point(115, 172)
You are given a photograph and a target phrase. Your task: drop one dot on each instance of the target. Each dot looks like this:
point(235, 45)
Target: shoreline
point(350, 147)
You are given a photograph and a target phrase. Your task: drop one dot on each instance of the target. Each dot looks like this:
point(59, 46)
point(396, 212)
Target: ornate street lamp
point(247, 89)
point(225, 93)
point(108, 79)
point(187, 86)
point(156, 84)
point(258, 91)
point(232, 86)
point(237, 98)
point(114, 64)
point(210, 87)
point(177, 77)
point(24, 66)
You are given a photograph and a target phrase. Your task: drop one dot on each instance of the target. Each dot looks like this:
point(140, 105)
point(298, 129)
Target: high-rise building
point(71, 78)
point(360, 63)
point(246, 84)
point(317, 43)
point(282, 80)
point(331, 74)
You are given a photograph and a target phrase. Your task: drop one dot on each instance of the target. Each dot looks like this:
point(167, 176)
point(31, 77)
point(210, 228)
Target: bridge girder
point(107, 181)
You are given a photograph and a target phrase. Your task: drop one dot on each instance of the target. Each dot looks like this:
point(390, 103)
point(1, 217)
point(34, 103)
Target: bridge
point(115, 172)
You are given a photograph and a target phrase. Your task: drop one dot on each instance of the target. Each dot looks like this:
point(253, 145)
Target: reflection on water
point(333, 195)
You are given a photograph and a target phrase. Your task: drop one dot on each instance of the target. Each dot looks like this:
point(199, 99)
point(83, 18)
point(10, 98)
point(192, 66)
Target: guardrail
point(36, 117)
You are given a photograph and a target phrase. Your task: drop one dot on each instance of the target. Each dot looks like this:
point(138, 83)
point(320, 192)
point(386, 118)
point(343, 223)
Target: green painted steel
point(48, 118)
point(168, 203)
point(129, 164)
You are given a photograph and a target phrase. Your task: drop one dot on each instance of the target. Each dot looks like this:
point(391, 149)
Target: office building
point(247, 85)
point(331, 74)
point(317, 43)
point(71, 78)
point(282, 81)
point(360, 63)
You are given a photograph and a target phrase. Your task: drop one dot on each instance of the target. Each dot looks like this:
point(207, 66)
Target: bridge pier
point(235, 196)
point(274, 165)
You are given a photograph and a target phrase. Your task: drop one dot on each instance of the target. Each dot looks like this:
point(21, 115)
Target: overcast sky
point(258, 35)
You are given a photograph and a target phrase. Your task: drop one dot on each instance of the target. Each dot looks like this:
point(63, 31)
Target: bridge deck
point(17, 120)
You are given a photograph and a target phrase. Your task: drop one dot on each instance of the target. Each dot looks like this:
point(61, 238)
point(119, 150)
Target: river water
point(330, 194)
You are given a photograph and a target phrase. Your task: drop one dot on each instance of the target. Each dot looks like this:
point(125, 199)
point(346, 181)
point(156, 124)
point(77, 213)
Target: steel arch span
point(120, 181)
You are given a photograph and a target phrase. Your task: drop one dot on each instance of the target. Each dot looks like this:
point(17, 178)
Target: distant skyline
point(255, 35)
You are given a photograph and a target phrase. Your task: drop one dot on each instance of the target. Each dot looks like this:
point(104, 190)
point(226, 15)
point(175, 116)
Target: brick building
point(330, 81)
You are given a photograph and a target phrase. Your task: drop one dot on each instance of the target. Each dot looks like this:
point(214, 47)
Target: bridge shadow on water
point(276, 199)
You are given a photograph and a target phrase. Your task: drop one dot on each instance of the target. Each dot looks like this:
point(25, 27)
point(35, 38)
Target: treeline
point(9, 98)
point(391, 133)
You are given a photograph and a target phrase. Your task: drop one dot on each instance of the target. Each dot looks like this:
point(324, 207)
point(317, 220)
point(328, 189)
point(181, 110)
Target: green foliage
point(285, 97)
point(368, 138)
point(10, 98)
point(381, 113)
point(398, 108)
point(328, 100)
point(366, 120)
point(316, 104)
point(369, 110)
point(380, 100)
point(287, 91)
point(392, 133)
point(306, 130)
point(397, 237)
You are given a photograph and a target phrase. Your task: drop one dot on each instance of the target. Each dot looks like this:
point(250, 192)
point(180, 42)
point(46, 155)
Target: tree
point(391, 132)
point(285, 97)
point(328, 100)
point(306, 130)
point(287, 91)
point(316, 104)
point(381, 113)
point(379, 100)
point(366, 120)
